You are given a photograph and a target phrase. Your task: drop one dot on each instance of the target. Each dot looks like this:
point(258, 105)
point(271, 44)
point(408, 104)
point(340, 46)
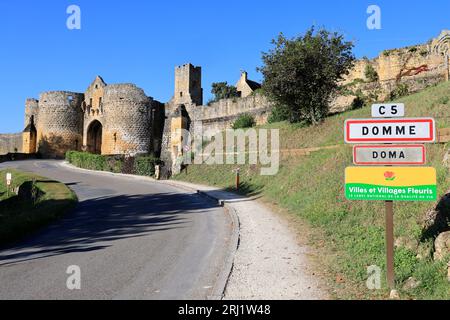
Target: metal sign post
point(389, 206)
point(8, 183)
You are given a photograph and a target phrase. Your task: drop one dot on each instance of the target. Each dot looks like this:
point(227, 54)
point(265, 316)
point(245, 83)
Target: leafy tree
point(302, 73)
point(221, 90)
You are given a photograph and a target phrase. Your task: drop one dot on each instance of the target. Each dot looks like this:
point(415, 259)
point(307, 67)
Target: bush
point(444, 100)
point(244, 121)
point(141, 165)
point(278, 114)
point(401, 90)
point(145, 166)
point(357, 103)
point(370, 73)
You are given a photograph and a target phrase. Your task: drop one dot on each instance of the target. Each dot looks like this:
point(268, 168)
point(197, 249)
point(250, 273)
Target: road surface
point(131, 239)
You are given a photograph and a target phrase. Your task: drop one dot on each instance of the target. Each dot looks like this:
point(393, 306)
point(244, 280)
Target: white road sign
point(390, 130)
point(405, 154)
point(392, 110)
point(8, 178)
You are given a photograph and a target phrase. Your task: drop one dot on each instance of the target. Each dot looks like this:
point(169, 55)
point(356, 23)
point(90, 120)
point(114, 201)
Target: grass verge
point(42, 201)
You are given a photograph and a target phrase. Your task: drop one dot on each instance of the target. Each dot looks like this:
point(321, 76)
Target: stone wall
point(31, 111)
point(10, 143)
point(127, 125)
point(60, 123)
point(416, 67)
point(220, 115)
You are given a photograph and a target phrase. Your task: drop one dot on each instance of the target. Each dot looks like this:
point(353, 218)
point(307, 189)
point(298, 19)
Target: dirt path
point(270, 263)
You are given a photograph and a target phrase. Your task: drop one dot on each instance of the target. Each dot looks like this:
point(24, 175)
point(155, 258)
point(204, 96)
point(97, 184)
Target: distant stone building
point(246, 87)
point(106, 119)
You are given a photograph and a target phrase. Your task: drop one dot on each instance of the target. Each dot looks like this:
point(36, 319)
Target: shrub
point(357, 103)
point(370, 73)
point(141, 165)
point(401, 90)
point(423, 52)
point(444, 100)
point(279, 113)
point(145, 166)
point(244, 121)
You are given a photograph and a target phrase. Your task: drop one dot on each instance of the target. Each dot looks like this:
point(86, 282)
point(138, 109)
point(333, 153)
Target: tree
point(221, 90)
point(303, 73)
point(370, 73)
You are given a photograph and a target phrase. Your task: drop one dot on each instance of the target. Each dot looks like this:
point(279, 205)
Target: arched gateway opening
point(94, 137)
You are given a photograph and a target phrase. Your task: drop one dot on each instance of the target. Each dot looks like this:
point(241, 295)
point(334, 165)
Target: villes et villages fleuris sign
point(391, 183)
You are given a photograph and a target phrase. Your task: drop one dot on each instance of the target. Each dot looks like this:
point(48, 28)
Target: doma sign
point(389, 155)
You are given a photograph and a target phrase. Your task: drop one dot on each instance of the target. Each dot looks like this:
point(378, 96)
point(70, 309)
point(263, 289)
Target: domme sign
point(390, 130)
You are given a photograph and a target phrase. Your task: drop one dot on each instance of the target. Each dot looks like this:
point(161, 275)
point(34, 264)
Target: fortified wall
point(10, 143)
point(413, 68)
point(106, 119)
point(221, 115)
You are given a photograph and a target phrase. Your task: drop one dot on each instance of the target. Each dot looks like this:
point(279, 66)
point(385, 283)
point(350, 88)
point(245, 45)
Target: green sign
point(390, 183)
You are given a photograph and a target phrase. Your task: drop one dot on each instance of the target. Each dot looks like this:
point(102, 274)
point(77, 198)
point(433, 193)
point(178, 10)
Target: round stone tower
point(60, 123)
point(127, 120)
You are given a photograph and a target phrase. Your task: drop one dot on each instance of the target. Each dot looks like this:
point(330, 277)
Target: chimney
point(244, 75)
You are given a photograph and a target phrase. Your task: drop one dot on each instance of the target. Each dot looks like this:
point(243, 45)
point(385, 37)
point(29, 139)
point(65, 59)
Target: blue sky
point(141, 41)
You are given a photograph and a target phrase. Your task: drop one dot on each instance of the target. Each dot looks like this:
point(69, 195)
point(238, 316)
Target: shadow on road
point(96, 223)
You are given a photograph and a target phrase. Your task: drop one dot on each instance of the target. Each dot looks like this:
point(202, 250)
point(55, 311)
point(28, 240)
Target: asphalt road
point(131, 239)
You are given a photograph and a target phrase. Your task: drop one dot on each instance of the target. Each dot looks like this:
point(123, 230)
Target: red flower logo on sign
point(390, 176)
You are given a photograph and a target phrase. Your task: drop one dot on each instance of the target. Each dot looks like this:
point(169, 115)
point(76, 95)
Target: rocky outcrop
point(442, 246)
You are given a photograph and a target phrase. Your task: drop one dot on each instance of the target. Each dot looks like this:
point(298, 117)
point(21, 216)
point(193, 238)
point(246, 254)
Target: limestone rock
point(405, 242)
point(448, 271)
point(446, 160)
point(442, 246)
point(411, 284)
point(394, 295)
point(424, 252)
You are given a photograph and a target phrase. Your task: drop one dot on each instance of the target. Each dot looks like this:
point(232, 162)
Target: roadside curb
point(222, 281)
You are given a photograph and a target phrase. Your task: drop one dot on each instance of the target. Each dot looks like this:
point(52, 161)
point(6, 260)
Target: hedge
point(139, 165)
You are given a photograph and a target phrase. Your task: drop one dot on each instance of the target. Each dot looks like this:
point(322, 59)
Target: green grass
point(349, 234)
point(20, 217)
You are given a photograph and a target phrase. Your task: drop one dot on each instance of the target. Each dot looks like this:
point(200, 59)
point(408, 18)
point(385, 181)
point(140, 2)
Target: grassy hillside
point(348, 234)
point(19, 217)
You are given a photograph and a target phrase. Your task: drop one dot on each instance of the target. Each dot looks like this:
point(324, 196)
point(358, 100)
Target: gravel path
point(270, 263)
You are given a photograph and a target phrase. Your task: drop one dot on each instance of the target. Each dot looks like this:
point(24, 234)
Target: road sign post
point(8, 182)
point(381, 179)
point(390, 271)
